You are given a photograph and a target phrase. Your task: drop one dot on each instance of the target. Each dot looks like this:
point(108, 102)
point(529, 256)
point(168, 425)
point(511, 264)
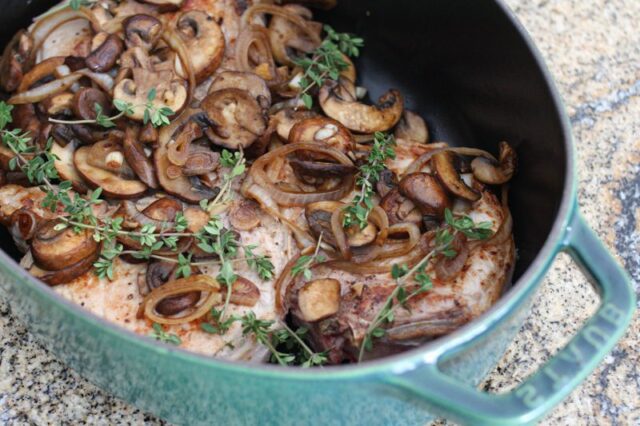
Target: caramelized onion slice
point(194, 283)
point(297, 198)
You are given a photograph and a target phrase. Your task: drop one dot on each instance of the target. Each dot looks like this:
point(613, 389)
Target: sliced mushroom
point(244, 293)
point(290, 41)
point(248, 81)
point(188, 189)
point(164, 210)
point(65, 167)
point(310, 171)
point(170, 92)
point(357, 116)
point(158, 274)
point(106, 55)
point(43, 71)
point(324, 131)
point(25, 118)
point(112, 184)
point(244, 215)
point(201, 160)
point(107, 155)
point(318, 217)
point(443, 164)
point(60, 104)
point(142, 31)
point(387, 182)
point(319, 299)
point(85, 100)
point(14, 59)
point(490, 173)
point(23, 226)
point(178, 149)
point(55, 249)
point(400, 209)
point(65, 275)
point(137, 158)
point(427, 193)
point(204, 41)
point(286, 119)
point(239, 119)
point(412, 128)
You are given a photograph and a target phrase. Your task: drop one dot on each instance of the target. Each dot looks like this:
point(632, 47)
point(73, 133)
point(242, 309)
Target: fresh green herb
point(421, 281)
point(159, 334)
point(382, 150)
point(237, 165)
point(217, 325)
point(261, 264)
point(158, 117)
point(304, 263)
point(327, 61)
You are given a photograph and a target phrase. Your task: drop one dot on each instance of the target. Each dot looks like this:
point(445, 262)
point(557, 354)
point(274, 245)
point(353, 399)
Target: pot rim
point(399, 363)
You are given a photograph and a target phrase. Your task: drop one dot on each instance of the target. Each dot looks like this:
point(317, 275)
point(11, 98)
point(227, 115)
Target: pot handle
point(541, 391)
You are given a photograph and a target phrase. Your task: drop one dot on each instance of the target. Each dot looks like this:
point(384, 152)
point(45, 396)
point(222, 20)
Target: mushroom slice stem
point(444, 165)
point(357, 116)
point(319, 299)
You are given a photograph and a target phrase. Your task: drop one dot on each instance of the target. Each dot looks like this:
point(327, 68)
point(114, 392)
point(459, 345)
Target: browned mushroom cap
point(287, 118)
point(244, 215)
point(54, 249)
point(201, 160)
point(142, 31)
point(85, 100)
point(178, 148)
point(14, 59)
point(189, 189)
point(490, 173)
point(64, 165)
point(310, 171)
point(106, 55)
point(25, 118)
point(163, 210)
point(170, 91)
point(239, 119)
point(387, 182)
point(248, 81)
point(426, 192)
point(204, 41)
point(319, 299)
point(137, 158)
point(113, 185)
point(400, 209)
point(338, 102)
point(66, 275)
point(158, 274)
point(244, 292)
point(324, 131)
point(165, 5)
point(443, 164)
point(288, 40)
point(412, 128)
point(60, 104)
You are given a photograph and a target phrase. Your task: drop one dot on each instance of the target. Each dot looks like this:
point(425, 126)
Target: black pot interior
point(466, 69)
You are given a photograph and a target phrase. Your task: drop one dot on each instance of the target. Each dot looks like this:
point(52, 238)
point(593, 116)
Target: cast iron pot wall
point(466, 68)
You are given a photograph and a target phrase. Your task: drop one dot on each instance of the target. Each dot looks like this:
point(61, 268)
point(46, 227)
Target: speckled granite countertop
point(593, 49)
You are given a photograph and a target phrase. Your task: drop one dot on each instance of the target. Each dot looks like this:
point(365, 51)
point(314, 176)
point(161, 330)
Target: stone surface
point(593, 50)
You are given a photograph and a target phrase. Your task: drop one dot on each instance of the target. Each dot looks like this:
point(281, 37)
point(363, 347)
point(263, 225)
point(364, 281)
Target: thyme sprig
point(417, 275)
point(304, 263)
point(79, 215)
point(158, 333)
point(327, 61)
point(237, 164)
point(157, 116)
point(357, 213)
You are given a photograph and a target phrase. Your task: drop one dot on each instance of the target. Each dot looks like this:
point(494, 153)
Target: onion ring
point(41, 93)
point(203, 283)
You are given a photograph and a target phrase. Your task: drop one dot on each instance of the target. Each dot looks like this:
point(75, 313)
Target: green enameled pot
point(471, 70)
